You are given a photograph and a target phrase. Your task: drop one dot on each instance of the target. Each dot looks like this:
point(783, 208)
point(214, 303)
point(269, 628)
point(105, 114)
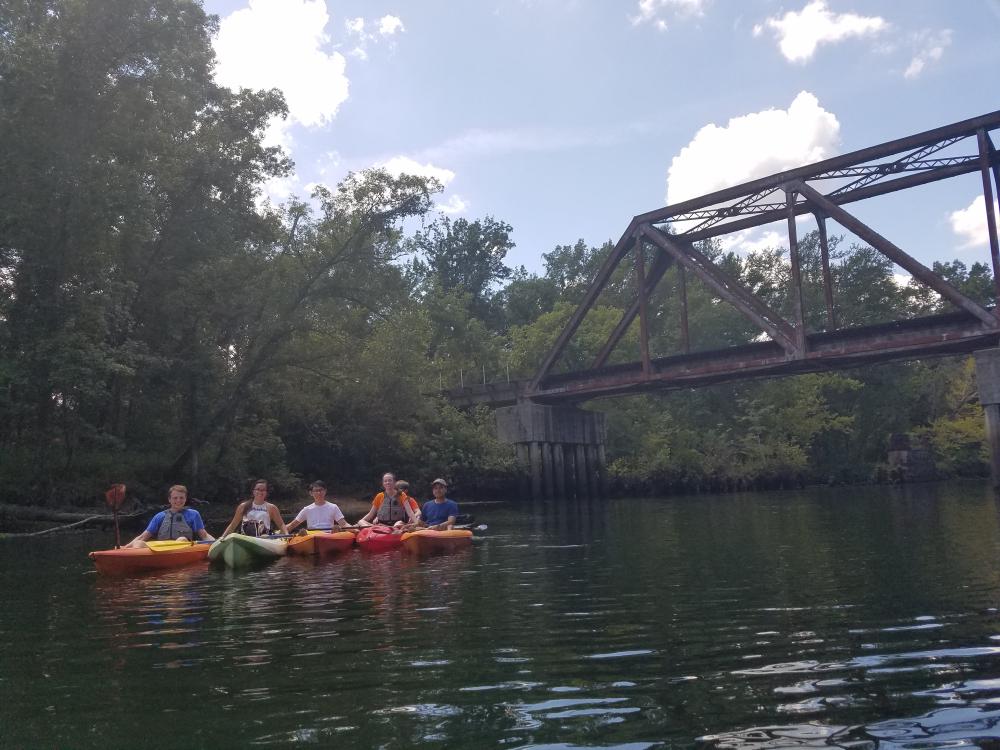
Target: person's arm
point(294, 525)
point(140, 541)
point(237, 516)
point(339, 519)
point(276, 519)
point(198, 527)
point(150, 531)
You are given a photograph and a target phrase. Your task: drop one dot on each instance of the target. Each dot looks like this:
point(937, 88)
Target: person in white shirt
point(320, 515)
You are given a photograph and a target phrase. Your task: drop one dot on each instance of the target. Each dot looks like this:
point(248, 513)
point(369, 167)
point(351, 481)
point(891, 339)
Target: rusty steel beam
point(597, 286)
point(824, 255)
point(661, 263)
point(683, 291)
point(640, 285)
point(991, 222)
point(954, 333)
point(727, 288)
point(965, 128)
point(793, 257)
point(869, 191)
point(917, 269)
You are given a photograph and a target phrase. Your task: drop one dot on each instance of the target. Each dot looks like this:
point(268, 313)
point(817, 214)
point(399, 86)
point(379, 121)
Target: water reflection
point(861, 619)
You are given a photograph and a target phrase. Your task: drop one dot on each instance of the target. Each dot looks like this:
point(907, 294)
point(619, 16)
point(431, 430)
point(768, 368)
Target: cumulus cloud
point(800, 33)
point(389, 25)
point(398, 165)
point(751, 146)
point(365, 33)
point(280, 44)
point(753, 240)
point(969, 223)
point(930, 48)
point(657, 11)
point(454, 205)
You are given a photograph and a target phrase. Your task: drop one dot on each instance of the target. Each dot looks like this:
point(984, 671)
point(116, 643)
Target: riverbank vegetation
point(160, 321)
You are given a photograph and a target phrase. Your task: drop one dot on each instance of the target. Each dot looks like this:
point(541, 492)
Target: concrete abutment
point(560, 449)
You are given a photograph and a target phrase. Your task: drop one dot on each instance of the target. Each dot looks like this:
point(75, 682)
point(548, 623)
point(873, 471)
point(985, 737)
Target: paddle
point(171, 545)
point(470, 527)
point(114, 497)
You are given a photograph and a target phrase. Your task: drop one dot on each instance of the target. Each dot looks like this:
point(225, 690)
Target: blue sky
point(566, 118)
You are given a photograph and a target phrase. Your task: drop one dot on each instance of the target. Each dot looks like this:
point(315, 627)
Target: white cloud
point(970, 223)
point(930, 48)
point(655, 11)
point(389, 25)
point(384, 28)
point(454, 205)
point(398, 165)
point(753, 240)
point(754, 145)
point(280, 44)
point(799, 34)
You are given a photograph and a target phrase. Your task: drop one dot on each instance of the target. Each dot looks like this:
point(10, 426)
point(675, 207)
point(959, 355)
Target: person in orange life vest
point(256, 516)
point(177, 523)
point(390, 508)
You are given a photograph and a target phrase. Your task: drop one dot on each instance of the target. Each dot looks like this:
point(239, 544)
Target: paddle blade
point(115, 496)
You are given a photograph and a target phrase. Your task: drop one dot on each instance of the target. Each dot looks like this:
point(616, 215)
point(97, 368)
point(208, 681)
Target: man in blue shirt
point(439, 513)
point(175, 523)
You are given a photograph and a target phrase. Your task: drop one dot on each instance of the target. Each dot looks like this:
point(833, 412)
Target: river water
point(860, 618)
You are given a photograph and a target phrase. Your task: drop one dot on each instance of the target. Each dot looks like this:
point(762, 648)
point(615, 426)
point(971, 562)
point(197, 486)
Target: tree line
point(159, 322)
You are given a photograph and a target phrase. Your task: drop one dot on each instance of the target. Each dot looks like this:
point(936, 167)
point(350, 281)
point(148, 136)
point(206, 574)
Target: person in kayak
point(256, 516)
point(440, 513)
point(320, 515)
point(176, 523)
point(389, 508)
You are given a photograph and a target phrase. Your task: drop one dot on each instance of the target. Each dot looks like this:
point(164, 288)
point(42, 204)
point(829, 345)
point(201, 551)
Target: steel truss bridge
point(657, 240)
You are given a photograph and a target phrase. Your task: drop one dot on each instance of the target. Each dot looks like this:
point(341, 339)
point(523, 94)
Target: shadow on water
point(849, 618)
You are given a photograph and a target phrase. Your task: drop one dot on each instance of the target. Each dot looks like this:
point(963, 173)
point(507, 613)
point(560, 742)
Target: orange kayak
point(329, 542)
point(302, 545)
point(127, 561)
point(432, 540)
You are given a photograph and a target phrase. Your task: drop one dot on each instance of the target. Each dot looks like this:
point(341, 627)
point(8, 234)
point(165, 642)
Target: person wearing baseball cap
point(440, 513)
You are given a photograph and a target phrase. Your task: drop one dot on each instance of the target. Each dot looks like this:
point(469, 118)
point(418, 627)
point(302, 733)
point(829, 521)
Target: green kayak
point(239, 550)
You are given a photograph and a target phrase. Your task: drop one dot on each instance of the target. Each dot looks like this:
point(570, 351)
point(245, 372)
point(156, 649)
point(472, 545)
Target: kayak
point(379, 539)
point(302, 545)
point(432, 540)
point(328, 542)
point(130, 560)
point(239, 550)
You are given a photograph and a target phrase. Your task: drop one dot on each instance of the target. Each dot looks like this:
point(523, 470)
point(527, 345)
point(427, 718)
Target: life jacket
point(175, 525)
point(391, 509)
point(256, 520)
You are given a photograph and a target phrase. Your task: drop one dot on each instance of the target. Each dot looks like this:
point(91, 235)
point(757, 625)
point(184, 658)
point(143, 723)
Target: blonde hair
point(177, 488)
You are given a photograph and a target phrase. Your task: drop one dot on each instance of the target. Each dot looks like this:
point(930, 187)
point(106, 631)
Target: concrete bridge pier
point(560, 448)
point(988, 380)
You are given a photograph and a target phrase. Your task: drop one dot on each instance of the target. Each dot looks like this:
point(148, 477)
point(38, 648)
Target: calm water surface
point(856, 618)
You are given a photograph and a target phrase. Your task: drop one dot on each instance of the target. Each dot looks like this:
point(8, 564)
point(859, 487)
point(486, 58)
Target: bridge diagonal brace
point(660, 265)
point(905, 261)
point(597, 286)
point(728, 289)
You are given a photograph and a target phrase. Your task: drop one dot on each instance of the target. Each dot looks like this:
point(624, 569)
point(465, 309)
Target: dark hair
point(319, 484)
point(267, 485)
point(402, 484)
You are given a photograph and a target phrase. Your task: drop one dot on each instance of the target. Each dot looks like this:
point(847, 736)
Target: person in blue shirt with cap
point(440, 513)
point(176, 523)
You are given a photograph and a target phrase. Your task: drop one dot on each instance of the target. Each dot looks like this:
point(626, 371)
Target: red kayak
point(379, 539)
point(126, 560)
